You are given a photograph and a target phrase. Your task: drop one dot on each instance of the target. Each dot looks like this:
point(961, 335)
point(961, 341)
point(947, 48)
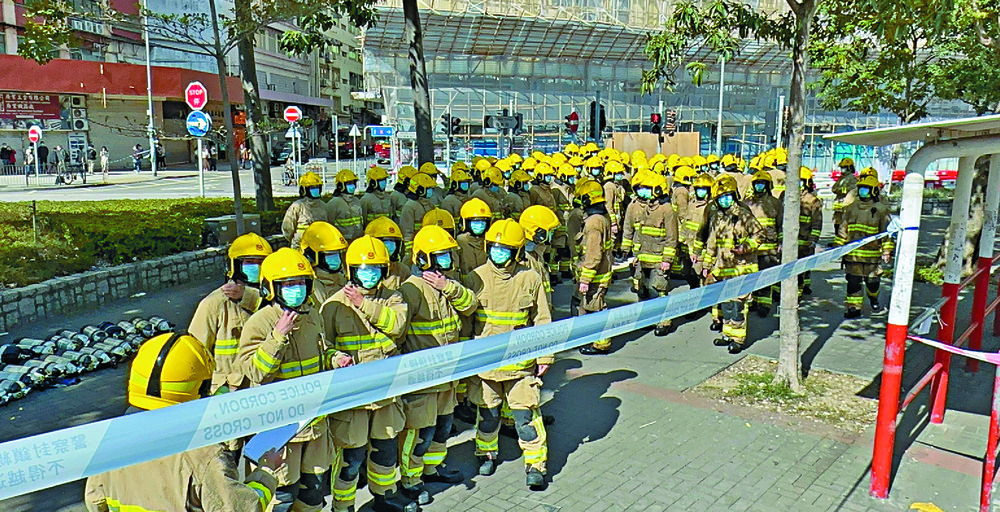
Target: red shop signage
point(20, 105)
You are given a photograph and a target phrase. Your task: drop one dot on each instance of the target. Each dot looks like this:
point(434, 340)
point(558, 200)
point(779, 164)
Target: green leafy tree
point(970, 49)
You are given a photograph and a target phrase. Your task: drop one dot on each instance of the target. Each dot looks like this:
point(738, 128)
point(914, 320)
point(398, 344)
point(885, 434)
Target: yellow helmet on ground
point(169, 369)
point(724, 184)
point(367, 262)
point(538, 222)
point(323, 244)
point(420, 184)
point(432, 247)
point(282, 266)
point(386, 230)
point(685, 175)
point(590, 193)
point(440, 218)
point(245, 255)
point(310, 180)
point(518, 180)
point(493, 176)
point(505, 234)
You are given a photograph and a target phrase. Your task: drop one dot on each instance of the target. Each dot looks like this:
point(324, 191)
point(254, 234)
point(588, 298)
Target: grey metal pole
point(149, 91)
point(722, 87)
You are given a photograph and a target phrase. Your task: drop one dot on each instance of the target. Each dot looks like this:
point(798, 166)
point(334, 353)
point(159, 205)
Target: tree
point(723, 25)
point(970, 46)
point(418, 81)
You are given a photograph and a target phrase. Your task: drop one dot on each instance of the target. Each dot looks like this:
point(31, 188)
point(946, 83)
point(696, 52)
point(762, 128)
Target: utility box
point(222, 230)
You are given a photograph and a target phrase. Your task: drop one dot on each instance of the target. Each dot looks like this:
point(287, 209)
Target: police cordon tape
point(61, 456)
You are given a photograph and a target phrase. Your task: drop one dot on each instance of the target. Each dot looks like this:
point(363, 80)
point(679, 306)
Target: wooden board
point(682, 143)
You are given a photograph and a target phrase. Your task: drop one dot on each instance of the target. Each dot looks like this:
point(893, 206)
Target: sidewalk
point(118, 177)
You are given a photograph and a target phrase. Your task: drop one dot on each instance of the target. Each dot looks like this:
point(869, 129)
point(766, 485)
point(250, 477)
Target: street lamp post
point(149, 90)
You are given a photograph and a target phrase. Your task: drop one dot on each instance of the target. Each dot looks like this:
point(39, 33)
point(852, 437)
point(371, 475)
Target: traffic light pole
point(596, 121)
point(722, 86)
point(447, 142)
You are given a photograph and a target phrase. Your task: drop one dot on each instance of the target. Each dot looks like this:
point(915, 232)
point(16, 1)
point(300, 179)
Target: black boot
point(465, 413)
point(417, 494)
point(443, 475)
point(716, 325)
point(721, 342)
point(852, 313)
point(393, 502)
point(590, 350)
point(806, 290)
point(763, 311)
point(535, 479)
point(487, 465)
point(663, 330)
point(877, 308)
point(735, 348)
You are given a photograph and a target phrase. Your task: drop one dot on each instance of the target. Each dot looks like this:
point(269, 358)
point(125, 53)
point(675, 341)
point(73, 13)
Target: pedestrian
point(43, 156)
point(458, 189)
point(655, 242)
point(61, 160)
point(29, 161)
point(5, 152)
point(810, 225)
point(137, 158)
point(90, 157)
point(386, 230)
point(161, 155)
point(213, 157)
point(105, 161)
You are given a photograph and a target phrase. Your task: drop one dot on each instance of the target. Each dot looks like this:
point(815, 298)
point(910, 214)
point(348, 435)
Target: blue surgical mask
point(443, 261)
point(506, 175)
point(351, 187)
point(548, 178)
point(619, 177)
point(725, 201)
point(494, 188)
point(293, 295)
point(333, 261)
point(382, 184)
point(252, 271)
point(499, 255)
point(477, 226)
point(314, 192)
point(701, 193)
point(864, 192)
point(369, 277)
point(526, 187)
point(429, 193)
point(390, 245)
point(644, 192)
point(759, 187)
point(529, 246)
point(464, 186)
point(596, 171)
point(571, 180)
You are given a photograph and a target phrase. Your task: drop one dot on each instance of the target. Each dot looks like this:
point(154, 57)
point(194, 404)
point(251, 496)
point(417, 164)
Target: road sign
point(196, 95)
point(293, 132)
point(501, 122)
point(355, 131)
point(35, 134)
point(199, 123)
point(293, 114)
point(381, 131)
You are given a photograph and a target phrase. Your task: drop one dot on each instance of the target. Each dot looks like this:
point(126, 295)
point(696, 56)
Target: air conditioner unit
point(79, 113)
point(77, 101)
point(80, 125)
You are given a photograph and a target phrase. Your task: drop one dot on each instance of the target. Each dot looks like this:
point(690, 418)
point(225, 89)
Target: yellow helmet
point(638, 177)
point(508, 233)
point(659, 168)
point(576, 161)
point(475, 208)
point(518, 179)
point(249, 246)
point(365, 253)
point(169, 369)
point(805, 173)
point(459, 165)
point(406, 172)
point(571, 149)
point(568, 173)
point(428, 168)
point(672, 160)
point(700, 162)
point(659, 185)
point(538, 222)
point(555, 160)
point(659, 157)
point(780, 159)
point(307, 181)
point(346, 176)
point(377, 173)
point(428, 244)
point(440, 218)
point(505, 165)
point(542, 171)
point(684, 175)
point(420, 184)
point(638, 155)
point(762, 175)
point(320, 239)
point(459, 176)
point(869, 181)
point(705, 182)
point(688, 161)
point(537, 155)
point(589, 148)
point(590, 193)
point(593, 162)
point(529, 163)
point(845, 163)
point(614, 167)
point(868, 171)
point(284, 265)
point(515, 158)
point(757, 163)
point(724, 184)
point(712, 159)
point(493, 176)
point(482, 165)
point(386, 230)
point(728, 162)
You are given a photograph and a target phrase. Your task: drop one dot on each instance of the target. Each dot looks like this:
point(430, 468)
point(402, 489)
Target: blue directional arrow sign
point(381, 131)
point(198, 123)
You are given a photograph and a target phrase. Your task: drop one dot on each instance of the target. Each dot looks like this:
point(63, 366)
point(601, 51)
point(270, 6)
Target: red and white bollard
point(895, 338)
point(986, 241)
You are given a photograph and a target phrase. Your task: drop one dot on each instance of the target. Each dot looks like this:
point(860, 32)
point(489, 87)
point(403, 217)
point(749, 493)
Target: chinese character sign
point(17, 105)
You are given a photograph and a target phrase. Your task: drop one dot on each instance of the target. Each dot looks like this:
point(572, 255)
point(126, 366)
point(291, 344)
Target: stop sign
point(293, 114)
point(34, 134)
point(196, 95)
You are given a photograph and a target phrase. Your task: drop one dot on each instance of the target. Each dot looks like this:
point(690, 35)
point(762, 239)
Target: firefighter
point(476, 218)
point(170, 369)
point(777, 165)
point(506, 167)
point(731, 250)
point(655, 244)
point(680, 191)
point(391, 236)
point(810, 225)
point(510, 296)
point(691, 221)
point(306, 210)
point(376, 202)
point(520, 183)
point(593, 269)
point(714, 164)
point(478, 168)
point(434, 305)
point(220, 316)
point(365, 322)
point(324, 246)
point(397, 198)
point(542, 193)
point(844, 191)
point(574, 221)
point(458, 191)
point(865, 217)
point(769, 211)
point(283, 340)
point(437, 193)
point(492, 193)
point(441, 218)
point(613, 192)
point(344, 210)
point(539, 224)
point(418, 203)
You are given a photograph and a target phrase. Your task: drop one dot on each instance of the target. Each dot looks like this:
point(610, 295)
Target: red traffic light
point(655, 118)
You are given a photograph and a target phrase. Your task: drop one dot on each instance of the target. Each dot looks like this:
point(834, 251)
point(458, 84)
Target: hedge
point(75, 236)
